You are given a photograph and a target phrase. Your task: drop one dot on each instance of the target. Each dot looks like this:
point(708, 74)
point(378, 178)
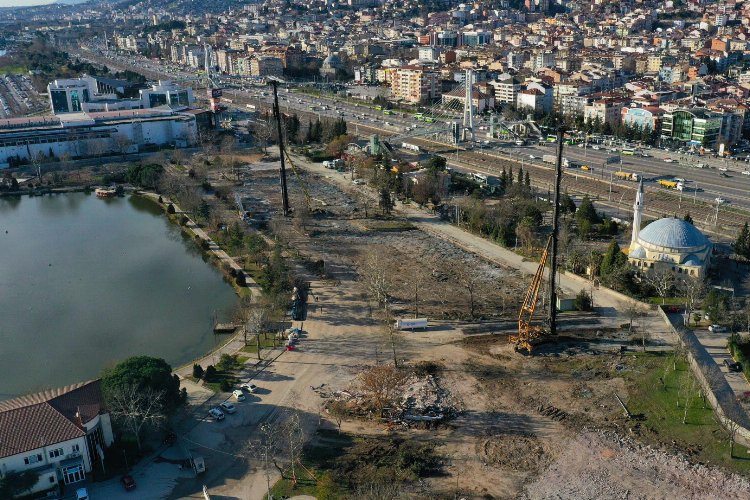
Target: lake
point(86, 282)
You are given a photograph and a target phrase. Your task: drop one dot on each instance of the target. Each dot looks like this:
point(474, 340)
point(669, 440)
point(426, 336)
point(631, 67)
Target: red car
point(290, 348)
point(127, 482)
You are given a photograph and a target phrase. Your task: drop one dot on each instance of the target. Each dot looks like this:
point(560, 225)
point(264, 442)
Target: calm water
point(86, 282)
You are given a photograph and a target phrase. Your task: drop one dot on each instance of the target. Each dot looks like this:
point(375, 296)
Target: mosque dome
point(672, 233)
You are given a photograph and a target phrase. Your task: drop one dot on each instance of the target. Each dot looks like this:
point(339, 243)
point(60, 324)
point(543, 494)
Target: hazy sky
point(22, 3)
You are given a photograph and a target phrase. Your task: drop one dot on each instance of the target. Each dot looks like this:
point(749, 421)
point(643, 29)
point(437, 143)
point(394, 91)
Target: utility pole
point(277, 115)
point(555, 228)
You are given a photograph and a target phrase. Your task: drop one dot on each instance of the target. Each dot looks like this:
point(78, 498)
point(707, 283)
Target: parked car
point(82, 494)
point(732, 366)
point(717, 329)
point(228, 407)
point(127, 482)
point(238, 395)
point(720, 200)
point(247, 386)
point(216, 413)
point(746, 172)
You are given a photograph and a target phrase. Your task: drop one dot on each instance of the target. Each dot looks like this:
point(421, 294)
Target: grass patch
point(669, 301)
point(341, 463)
point(660, 393)
point(266, 341)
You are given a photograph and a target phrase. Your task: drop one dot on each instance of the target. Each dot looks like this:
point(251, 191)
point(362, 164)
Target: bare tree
point(662, 281)
point(137, 408)
point(295, 440)
point(257, 322)
point(632, 312)
point(263, 133)
point(122, 143)
point(381, 385)
point(267, 448)
point(472, 281)
point(338, 410)
point(693, 288)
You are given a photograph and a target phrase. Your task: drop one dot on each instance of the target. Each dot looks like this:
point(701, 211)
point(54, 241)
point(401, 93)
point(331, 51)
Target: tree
point(742, 244)
point(17, 483)
point(471, 280)
point(613, 259)
point(567, 205)
point(526, 232)
point(143, 373)
point(380, 386)
point(263, 133)
point(146, 176)
point(688, 218)
point(338, 410)
point(385, 202)
point(527, 181)
point(632, 312)
point(136, 407)
point(582, 301)
point(520, 176)
point(693, 288)
point(586, 212)
point(716, 305)
point(662, 282)
point(197, 371)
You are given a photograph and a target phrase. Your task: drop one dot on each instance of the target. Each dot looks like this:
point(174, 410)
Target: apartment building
point(506, 89)
point(266, 66)
point(415, 84)
point(604, 110)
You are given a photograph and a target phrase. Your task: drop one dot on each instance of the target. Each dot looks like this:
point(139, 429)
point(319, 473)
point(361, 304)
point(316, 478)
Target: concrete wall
point(713, 382)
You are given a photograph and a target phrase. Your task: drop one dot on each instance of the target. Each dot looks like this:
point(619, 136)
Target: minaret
point(637, 214)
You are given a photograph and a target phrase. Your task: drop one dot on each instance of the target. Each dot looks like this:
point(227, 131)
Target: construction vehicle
point(670, 184)
point(528, 334)
point(627, 176)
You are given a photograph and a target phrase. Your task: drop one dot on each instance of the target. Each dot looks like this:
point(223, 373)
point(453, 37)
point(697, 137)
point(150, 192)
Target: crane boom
point(527, 332)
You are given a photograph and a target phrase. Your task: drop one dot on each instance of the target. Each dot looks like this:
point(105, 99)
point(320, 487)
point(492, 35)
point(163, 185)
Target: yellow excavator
point(528, 333)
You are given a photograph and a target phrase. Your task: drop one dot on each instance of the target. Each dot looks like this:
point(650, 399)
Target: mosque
point(668, 244)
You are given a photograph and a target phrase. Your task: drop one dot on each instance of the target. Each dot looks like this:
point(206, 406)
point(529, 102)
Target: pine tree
point(527, 181)
point(612, 260)
point(520, 176)
point(309, 137)
point(510, 177)
point(504, 178)
point(742, 245)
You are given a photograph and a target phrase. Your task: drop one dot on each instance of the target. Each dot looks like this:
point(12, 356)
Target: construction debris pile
point(518, 452)
point(424, 400)
point(416, 399)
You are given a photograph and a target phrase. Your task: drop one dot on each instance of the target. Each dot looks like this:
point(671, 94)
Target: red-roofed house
point(60, 434)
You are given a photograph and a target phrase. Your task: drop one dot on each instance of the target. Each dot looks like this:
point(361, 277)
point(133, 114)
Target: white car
point(228, 407)
point(238, 394)
point(746, 172)
point(358, 181)
point(723, 169)
point(595, 147)
point(247, 386)
point(668, 160)
point(532, 157)
point(720, 200)
point(717, 329)
point(216, 413)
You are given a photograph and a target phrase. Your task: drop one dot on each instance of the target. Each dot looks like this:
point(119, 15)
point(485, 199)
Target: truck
point(627, 176)
point(410, 324)
point(670, 184)
point(549, 159)
point(410, 147)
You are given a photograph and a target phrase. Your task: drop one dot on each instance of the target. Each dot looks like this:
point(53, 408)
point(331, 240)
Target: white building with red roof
point(60, 434)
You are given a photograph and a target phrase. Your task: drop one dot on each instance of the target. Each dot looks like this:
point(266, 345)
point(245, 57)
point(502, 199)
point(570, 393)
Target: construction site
point(508, 408)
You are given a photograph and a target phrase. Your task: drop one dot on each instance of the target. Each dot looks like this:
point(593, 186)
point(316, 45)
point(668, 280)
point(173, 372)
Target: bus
point(552, 138)
point(387, 112)
point(429, 119)
point(628, 152)
point(379, 107)
point(419, 116)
